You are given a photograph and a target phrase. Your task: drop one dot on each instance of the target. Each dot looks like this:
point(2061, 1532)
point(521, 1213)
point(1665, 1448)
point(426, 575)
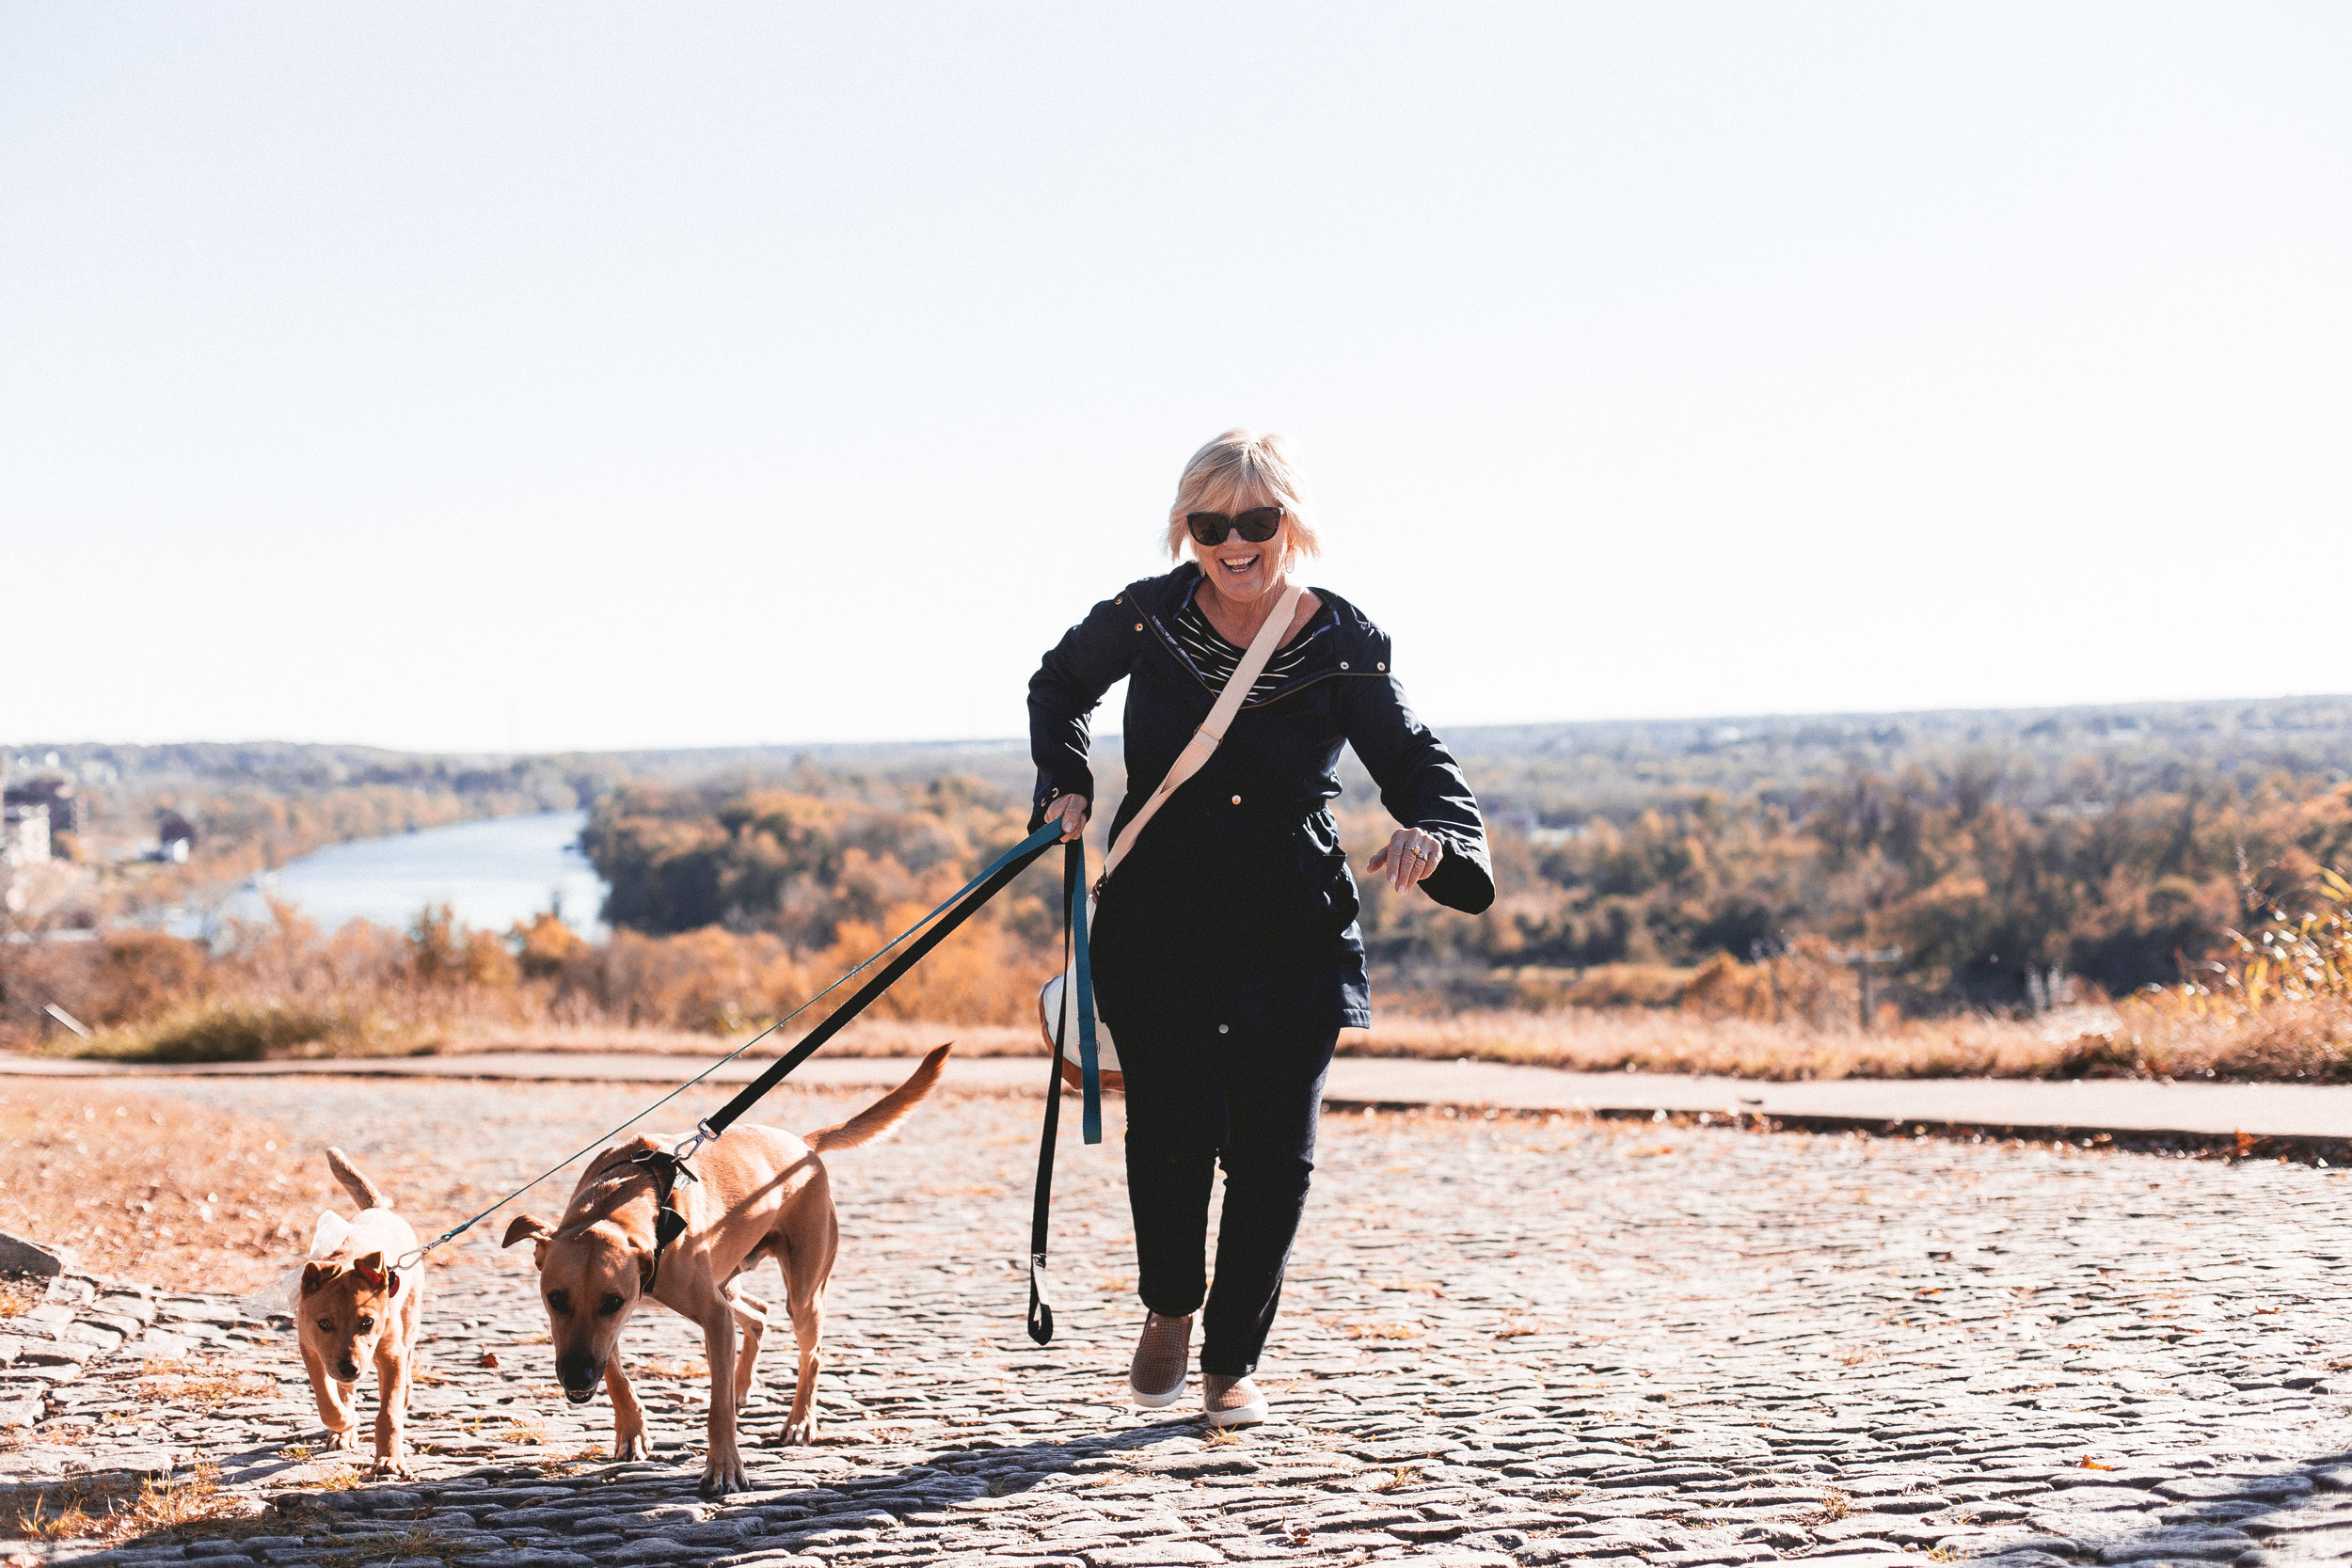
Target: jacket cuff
point(1047, 788)
point(1462, 879)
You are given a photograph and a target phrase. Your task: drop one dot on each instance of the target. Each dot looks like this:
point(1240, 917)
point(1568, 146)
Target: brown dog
point(758, 1193)
point(356, 1306)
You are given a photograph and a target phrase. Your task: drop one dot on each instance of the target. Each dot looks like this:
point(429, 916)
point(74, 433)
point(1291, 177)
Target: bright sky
point(578, 375)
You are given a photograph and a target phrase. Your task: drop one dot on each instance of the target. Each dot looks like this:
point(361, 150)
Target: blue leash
point(1089, 1070)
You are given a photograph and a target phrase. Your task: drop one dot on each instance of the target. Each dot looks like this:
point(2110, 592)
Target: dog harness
point(668, 1224)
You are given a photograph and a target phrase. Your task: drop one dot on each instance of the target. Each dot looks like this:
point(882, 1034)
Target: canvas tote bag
point(1057, 1001)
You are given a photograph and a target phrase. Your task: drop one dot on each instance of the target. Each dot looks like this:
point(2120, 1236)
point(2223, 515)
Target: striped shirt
point(1215, 659)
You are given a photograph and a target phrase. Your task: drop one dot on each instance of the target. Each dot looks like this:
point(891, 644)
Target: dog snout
point(347, 1371)
point(578, 1374)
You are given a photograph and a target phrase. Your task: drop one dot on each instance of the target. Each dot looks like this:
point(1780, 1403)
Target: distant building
point(24, 835)
point(67, 809)
point(175, 837)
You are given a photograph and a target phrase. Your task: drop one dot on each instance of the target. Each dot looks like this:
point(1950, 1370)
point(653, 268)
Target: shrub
point(221, 1032)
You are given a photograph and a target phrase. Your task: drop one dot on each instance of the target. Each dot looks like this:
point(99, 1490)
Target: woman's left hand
point(1411, 855)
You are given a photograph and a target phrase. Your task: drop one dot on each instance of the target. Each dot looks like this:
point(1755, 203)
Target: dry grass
point(867, 1037)
point(144, 1187)
point(1382, 1330)
point(683, 1369)
point(2308, 1040)
point(90, 1511)
point(203, 1384)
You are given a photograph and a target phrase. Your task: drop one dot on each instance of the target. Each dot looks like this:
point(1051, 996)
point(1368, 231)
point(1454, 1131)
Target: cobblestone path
point(1504, 1341)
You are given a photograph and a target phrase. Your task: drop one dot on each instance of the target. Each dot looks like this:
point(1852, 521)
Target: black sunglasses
point(1257, 525)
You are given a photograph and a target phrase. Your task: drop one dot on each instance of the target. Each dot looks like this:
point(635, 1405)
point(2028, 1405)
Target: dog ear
point(645, 1264)
point(315, 1275)
point(526, 1226)
point(372, 1272)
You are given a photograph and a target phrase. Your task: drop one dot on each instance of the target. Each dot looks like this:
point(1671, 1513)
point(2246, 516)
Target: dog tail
point(356, 1182)
point(885, 1113)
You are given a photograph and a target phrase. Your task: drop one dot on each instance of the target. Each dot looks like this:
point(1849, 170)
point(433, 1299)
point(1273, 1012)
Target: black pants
point(1196, 1096)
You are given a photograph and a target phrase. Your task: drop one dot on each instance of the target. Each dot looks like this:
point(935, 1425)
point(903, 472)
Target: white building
point(24, 835)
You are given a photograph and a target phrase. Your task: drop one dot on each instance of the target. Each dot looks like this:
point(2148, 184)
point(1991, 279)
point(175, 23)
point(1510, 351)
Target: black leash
point(1007, 869)
point(1042, 1281)
point(1027, 850)
point(667, 1167)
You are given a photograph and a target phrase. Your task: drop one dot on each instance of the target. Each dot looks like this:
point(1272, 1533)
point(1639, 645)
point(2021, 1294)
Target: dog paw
point(343, 1442)
point(723, 1476)
point(393, 1468)
point(632, 1444)
point(798, 1433)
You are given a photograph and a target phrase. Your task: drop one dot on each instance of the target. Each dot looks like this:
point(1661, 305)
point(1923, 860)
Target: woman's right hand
point(1070, 812)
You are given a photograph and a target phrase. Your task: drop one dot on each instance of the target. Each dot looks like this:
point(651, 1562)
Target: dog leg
point(723, 1472)
point(807, 1267)
point(334, 1403)
point(752, 1313)
point(628, 1417)
point(392, 1409)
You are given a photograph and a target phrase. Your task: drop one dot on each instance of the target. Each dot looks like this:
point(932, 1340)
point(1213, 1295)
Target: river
point(490, 873)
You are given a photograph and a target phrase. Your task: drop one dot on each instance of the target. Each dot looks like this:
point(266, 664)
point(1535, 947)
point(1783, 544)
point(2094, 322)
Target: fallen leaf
point(490, 1358)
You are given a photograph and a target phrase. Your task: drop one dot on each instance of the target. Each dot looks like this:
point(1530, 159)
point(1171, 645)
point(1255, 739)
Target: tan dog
point(758, 1193)
point(356, 1305)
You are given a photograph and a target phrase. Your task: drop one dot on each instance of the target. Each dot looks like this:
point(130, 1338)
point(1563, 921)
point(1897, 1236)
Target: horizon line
point(994, 741)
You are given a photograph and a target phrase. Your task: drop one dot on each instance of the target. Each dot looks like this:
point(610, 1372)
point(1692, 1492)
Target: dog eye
point(560, 1303)
point(608, 1305)
point(328, 1325)
point(366, 1322)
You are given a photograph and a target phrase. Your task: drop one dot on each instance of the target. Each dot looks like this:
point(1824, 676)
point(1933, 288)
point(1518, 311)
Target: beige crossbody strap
point(1212, 728)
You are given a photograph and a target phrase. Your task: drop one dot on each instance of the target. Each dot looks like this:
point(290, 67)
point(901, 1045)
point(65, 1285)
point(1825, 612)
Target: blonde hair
point(1240, 469)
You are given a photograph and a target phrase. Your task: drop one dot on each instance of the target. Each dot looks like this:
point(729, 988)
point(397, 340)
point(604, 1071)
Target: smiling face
point(346, 1308)
point(590, 1281)
point(1237, 569)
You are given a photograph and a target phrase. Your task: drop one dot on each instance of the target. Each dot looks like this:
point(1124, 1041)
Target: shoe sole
point(1156, 1401)
point(1246, 1415)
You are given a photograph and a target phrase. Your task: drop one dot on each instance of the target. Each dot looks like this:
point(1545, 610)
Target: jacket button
point(1382, 667)
point(1238, 800)
point(1224, 1028)
point(1138, 625)
point(1343, 664)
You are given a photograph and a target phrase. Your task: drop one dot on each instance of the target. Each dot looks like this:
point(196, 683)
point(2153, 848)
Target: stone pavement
point(2302, 1112)
point(1506, 1340)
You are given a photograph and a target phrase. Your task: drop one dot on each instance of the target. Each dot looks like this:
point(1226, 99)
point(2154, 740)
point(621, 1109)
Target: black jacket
point(1237, 901)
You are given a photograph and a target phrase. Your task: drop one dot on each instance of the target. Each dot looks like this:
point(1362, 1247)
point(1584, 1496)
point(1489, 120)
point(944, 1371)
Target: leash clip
point(704, 1132)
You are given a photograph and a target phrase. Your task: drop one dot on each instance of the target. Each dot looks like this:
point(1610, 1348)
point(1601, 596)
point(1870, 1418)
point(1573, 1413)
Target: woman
point(1226, 952)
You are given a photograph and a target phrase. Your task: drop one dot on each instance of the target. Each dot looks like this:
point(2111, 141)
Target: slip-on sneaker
point(1163, 1358)
point(1230, 1401)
